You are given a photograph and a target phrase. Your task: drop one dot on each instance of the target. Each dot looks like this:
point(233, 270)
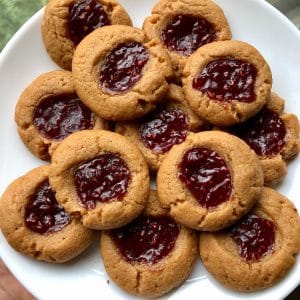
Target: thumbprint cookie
point(49, 110)
point(101, 177)
point(209, 181)
point(119, 73)
point(168, 125)
point(156, 253)
point(227, 82)
point(274, 136)
point(67, 22)
point(259, 249)
point(184, 26)
point(35, 224)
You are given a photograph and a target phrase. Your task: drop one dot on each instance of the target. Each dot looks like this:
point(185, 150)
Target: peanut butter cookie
point(274, 136)
point(209, 181)
point(257, 251)
point(154, 252)
point(119, 73)
point(168, 125)
point(36, 225)
point(227, 82)
point(49, 110)
point(100, 177)
point(185, 25)
point(67, 22)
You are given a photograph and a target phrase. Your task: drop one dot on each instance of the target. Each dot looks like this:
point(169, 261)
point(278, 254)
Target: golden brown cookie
point(119, 73)
point(257, 251)
point(100, 177)
point(49, 110)
point(67, 22)
point(210, 180)
point(154, 252)
point(274, 136)
point(227, 82)
point(185, 25)
point(36, 225)
point(168, 125)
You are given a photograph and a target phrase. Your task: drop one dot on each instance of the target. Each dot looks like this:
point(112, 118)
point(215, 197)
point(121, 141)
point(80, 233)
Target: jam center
point(147, 239)
point(164, 129)
point(227, 79)
point(84, 17)
point(57, 116)
point(206, 175)
point(255, 237)
point(265, 133)
point(102, 179)
point(186, 33)
point(122, 67)
point(42, 212)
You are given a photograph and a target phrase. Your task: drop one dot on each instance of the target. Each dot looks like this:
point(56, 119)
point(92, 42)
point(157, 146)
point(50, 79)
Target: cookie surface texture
point(220, 253)
point(101, 177)
point(66, 22)
point(27, 229)
point(227, 82)
point(150, 279)
point(210, 180)
point(119, 73)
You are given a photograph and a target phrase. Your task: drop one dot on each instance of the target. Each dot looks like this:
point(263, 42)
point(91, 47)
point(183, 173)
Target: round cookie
point(48, 110)
point(184, 26)
point(149, 270)
point(226, 82)
point(210, 180)
point(116, 73)
point(100, 177)
point(259, 250)
point(168, 125)
point(67, 22)
point(36, 225)
point(274, 136)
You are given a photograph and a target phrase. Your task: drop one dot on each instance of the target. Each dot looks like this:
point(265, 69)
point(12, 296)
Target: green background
point(13, 13)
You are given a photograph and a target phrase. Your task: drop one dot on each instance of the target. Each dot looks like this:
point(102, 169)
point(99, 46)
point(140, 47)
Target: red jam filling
point(227, 79)
point(102, 179)
point(84, 17)
point(147, 239)
point(255, 237)
point(57, 116)
point(206, 175)
point(122, 67)
point(42, 212)
point(265, 133)
point(186, 33)
point(164, 129)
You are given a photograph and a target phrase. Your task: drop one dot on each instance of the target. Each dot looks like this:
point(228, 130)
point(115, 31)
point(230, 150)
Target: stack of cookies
point(179, 98)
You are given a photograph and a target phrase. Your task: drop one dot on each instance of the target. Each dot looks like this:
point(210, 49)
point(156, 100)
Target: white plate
point(24, 58)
